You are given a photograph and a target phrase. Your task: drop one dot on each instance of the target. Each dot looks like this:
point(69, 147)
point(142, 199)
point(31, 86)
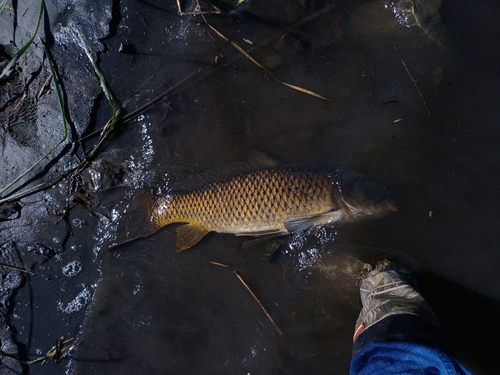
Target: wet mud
point(412, 105)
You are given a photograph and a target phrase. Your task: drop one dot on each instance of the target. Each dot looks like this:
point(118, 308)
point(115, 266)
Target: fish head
point(359, 197)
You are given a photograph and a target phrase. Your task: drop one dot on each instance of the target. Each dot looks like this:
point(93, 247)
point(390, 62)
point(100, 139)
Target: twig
point(16, 268)
point(218, 264)
point(162, 97)
point(260, 304)
point(57, 352)
point(415, 83)
point(245, 53)
point(44, 86)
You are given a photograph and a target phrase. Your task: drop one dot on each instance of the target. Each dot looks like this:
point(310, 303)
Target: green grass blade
point(107, 130)
point(2, 5)
point(34, 189)
point(23, 49)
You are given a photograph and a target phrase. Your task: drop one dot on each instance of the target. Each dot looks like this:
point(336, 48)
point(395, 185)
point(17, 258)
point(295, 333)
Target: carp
point(265, 202)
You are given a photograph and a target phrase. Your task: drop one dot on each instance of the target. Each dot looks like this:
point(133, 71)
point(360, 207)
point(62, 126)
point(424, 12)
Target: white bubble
point(325, 236)
point(79, 223)
point(297, 241)
point(308, 258)
point(72, 268)
point(81, 300)
point(137, 289)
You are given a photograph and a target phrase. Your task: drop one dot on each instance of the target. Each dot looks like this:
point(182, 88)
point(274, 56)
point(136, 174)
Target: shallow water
point(157, 311)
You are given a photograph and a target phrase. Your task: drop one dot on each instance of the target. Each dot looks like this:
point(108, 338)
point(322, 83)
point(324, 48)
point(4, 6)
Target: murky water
point(147, 309)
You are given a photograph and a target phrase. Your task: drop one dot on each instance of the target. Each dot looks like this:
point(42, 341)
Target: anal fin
point(189, 235)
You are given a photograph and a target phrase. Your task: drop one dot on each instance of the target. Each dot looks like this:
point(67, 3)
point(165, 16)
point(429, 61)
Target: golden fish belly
point(253, 203)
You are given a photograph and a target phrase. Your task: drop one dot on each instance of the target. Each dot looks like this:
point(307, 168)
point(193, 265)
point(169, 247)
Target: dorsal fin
point(256, 160)
point(259, 160)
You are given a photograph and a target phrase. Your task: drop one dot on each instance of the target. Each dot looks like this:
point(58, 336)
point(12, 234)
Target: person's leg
point(397, 331)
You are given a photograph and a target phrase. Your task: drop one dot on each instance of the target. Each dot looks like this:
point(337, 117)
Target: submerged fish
point(271, 201)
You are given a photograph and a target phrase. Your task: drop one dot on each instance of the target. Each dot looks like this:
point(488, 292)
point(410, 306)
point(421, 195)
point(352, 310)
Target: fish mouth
point(358, 196)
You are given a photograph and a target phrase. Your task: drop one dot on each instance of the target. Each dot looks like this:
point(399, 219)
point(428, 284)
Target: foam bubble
point(79, 223)
point(79, 302)
point(72, 268)
point(308, 258)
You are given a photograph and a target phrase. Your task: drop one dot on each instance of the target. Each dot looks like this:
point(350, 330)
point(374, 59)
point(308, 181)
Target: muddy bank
point(36, 229)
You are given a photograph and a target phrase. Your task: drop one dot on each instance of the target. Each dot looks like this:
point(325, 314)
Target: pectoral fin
point(304, 223)
point(189, 235)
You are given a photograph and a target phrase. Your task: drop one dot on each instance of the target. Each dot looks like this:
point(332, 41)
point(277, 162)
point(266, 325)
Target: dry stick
point(157, 100)
point(415, 83)
point(235, 45)
point(57, 352)
point(160, 98)
point(218, 264)
point(260, 304)
point(16, 268)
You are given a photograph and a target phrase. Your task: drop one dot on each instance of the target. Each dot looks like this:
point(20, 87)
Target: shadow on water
point(468, 319)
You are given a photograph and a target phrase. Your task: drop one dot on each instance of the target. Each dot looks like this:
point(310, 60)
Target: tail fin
point(131, 209)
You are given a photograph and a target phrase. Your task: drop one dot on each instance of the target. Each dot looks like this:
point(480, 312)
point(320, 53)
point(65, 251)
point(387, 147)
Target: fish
point(271, 201)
